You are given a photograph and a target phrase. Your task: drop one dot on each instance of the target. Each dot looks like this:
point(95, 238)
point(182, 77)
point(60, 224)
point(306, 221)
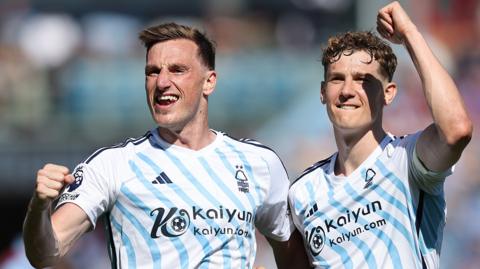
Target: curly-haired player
point(379, 202)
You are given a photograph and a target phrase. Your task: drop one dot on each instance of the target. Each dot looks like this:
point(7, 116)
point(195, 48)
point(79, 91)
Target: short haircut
point(350, 42)
point(171, 31)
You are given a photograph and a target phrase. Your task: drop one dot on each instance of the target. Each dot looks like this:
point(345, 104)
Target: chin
point(163, 122)
point(349, 125)
point(169, 123)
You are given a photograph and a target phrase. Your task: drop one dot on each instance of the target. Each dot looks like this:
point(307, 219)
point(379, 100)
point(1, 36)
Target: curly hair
point(170, 31)
point(350, 42)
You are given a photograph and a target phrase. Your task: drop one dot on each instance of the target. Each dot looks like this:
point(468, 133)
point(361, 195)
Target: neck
point(195, 135)
point(354, 149)
point(187, 138)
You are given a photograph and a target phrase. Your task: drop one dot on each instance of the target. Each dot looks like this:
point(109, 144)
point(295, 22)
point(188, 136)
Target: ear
point(210, 83)
point(390, 92)
point(322, 92)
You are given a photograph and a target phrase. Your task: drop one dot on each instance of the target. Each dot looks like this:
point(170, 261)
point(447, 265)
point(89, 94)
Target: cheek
point(331, 91)
point(191, 88)
point(375, 104)
point(330, 98)
point(150, 85)
point(149, 93)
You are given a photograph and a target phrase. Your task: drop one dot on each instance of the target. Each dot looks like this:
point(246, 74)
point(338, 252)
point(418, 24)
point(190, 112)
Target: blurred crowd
point(71, 80)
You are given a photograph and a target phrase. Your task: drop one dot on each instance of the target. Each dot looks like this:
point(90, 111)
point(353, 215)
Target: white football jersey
point(369, 219)
point(170, 207)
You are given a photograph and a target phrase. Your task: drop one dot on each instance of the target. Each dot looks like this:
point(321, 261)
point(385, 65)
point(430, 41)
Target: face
point(355, 92)
point(177, 84)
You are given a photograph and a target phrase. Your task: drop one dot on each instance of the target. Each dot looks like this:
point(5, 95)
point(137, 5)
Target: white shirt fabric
point(368, 219)
point(170, 207)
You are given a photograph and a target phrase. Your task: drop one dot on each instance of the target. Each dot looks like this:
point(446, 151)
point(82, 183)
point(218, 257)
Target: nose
point(163, 79)
point(347, 91)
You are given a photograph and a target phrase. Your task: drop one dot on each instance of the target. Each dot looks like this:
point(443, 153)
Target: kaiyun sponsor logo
point(353, 215)
point(174, 222)
point(317, 236)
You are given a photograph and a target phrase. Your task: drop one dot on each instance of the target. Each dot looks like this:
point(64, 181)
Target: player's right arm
point(47, 237)
point(440, 145)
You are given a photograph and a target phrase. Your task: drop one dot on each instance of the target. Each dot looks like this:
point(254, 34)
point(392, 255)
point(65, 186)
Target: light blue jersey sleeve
point(273, 218)
point(92, 190)
point(426, 179)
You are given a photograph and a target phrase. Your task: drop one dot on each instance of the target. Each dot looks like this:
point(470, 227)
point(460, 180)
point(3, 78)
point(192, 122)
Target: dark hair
point(170, 31)
point(350, 42)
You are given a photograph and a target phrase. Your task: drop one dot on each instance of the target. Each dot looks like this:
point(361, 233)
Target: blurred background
point(71, 81)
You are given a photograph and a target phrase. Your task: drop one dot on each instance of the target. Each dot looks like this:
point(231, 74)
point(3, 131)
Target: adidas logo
point(162, 179)
point(312, 210)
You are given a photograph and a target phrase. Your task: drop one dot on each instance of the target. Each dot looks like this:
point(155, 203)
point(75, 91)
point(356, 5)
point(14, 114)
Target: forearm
point(41, 246)
point(290, 254)
point(443, 98)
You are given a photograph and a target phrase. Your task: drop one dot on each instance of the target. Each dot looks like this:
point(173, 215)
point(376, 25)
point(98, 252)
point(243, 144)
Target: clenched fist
point(393, 23)
point(50, 181)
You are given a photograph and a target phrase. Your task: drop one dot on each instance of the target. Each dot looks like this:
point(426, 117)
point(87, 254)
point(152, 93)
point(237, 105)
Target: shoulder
point(404, 140)
point(248, 145)
point(320, 166)
point(251, 148)
point(401, 146)
point(308, 182)
point(117, 151)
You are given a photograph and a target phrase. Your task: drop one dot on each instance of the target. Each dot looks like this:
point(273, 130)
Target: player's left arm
point(291, 253)
point(274, 221)
point(440, 144)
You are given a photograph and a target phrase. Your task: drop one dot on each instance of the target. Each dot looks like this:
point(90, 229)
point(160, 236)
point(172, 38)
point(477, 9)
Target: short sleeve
point(293, 202)
point(273, 216)
point(419, 175)
point(90, 191)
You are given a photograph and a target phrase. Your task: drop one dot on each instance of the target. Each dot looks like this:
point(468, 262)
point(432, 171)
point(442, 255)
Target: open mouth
point(166, 99)
point(347, 106)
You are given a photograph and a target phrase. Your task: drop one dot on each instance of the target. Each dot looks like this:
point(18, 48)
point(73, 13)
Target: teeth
point(347, 107)
point(168, 98)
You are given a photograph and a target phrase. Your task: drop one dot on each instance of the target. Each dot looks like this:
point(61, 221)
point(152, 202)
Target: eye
point(362, 79)
point(335, 79)
point(178, 69)
point(151, 71)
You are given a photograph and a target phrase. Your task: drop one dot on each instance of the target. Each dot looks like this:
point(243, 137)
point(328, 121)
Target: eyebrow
point(150, 68)
point(178, 65)
point(155, 67)
point(355, 73)
point(359, 73)
point(334, 74)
